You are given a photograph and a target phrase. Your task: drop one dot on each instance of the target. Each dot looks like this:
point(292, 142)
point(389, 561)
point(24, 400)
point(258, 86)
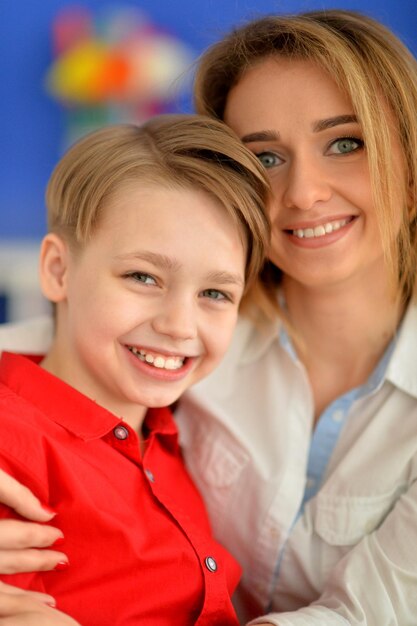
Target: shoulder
point(255, 372)
point(22, 443)
point(31, 336)
point(252, 341)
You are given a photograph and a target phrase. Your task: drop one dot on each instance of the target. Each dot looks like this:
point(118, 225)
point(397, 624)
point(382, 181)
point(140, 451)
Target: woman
point(304, 442)
point(23, 608)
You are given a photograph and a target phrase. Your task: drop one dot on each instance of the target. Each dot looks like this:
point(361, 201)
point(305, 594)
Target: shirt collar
point(65, 405)
point(401, 369)
point(398, 364)
point(255, 336)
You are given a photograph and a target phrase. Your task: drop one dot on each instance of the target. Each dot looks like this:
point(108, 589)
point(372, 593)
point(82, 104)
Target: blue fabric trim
point(331, 422)
point(328, 430)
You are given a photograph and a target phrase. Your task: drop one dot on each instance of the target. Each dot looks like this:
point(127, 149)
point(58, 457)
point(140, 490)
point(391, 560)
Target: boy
point(154, 233)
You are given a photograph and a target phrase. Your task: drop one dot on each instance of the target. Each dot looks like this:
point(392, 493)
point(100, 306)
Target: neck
point(343, 331)
point(63, 368)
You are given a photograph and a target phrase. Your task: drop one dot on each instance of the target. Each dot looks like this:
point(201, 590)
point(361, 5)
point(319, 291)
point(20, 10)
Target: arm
point(375, 583)
point(17, 540)
point(20, 540)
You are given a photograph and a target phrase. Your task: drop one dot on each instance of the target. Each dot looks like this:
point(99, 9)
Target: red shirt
point(136, 531)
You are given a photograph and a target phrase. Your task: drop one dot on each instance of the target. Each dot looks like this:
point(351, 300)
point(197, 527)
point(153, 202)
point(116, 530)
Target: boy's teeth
point(168, 363)
point(319, 231)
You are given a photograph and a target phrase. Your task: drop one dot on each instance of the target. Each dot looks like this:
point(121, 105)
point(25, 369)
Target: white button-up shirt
point(349, 554)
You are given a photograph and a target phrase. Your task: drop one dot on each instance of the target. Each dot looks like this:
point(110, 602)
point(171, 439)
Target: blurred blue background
point(32, 122)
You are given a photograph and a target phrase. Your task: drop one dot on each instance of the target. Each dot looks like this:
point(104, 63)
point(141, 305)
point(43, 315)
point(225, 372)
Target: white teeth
point(319, 231)
point(173, 364)
point(160, 362)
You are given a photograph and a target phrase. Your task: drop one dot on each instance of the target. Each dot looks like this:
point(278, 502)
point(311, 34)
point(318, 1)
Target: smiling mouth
point(158, 360)
point(321, 230)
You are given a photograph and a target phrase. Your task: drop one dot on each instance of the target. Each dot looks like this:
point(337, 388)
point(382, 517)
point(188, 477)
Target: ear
point(53, 267)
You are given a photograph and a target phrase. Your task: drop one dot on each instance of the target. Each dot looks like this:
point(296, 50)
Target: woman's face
point(303, 128)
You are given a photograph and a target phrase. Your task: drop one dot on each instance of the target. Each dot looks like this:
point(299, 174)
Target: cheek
point(221, 335)
point(276, 208)
point(92, 310)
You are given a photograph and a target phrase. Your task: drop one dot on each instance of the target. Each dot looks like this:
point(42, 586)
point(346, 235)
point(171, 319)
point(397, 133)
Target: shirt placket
point(210, 560)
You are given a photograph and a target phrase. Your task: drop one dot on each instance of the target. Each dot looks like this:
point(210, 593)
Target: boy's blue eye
point(141, 277)
point(268, 159)
point(345, 145)
point(214, 294)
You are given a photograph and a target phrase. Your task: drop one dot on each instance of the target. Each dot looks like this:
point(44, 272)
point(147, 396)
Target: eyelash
point(224, 296)
point(259, 156)
point(360, 143)
point(134, 276)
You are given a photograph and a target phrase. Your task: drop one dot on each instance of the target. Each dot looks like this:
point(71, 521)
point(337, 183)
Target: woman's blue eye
point(268, 159)
point(345, 145)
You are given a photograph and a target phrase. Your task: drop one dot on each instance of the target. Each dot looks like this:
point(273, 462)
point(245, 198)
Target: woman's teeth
point(168, 363)
point(320, 231)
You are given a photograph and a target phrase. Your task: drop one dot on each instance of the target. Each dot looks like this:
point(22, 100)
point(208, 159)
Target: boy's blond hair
point(376, 72)
point(178, 151)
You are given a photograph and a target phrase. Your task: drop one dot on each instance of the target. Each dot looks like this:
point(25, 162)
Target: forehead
point(276, 85)
point(138, 211)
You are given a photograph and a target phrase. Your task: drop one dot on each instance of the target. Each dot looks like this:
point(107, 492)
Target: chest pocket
point(344, 520)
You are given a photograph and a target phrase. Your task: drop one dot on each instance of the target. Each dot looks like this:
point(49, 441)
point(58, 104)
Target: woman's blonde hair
point(379, 75)
point(180, 151)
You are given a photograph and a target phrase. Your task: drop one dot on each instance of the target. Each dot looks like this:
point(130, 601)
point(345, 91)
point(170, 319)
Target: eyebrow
point(320, 125)
point(331, 122)
point(263, 135)
point(226, 278)
point(159, 260)
point(168, 263)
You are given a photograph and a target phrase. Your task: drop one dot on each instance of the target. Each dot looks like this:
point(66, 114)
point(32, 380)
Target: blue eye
point(269, 159)
point(345, 145)
point(141, 277)
point(214, 294)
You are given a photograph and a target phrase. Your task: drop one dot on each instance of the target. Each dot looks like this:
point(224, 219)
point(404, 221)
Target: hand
point(19, 538)
point(29, 608)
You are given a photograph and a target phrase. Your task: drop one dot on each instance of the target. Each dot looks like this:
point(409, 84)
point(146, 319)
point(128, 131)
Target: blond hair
point(379, 75)
point(185, 151)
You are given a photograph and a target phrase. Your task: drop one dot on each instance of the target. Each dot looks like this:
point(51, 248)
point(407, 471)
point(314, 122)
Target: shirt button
point(150, 476)
point(338, 416)
point(211, 564)
point(121, 432)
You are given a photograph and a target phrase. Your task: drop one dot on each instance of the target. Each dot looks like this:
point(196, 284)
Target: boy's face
point(148, 306)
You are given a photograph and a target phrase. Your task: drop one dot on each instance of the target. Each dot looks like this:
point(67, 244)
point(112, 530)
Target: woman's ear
point(53, 267)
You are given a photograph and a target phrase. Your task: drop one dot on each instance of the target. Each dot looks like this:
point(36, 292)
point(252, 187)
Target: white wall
point(19, 280)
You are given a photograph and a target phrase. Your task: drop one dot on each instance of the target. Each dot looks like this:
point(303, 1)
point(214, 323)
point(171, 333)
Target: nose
point(305, 184)
point(177, 318)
